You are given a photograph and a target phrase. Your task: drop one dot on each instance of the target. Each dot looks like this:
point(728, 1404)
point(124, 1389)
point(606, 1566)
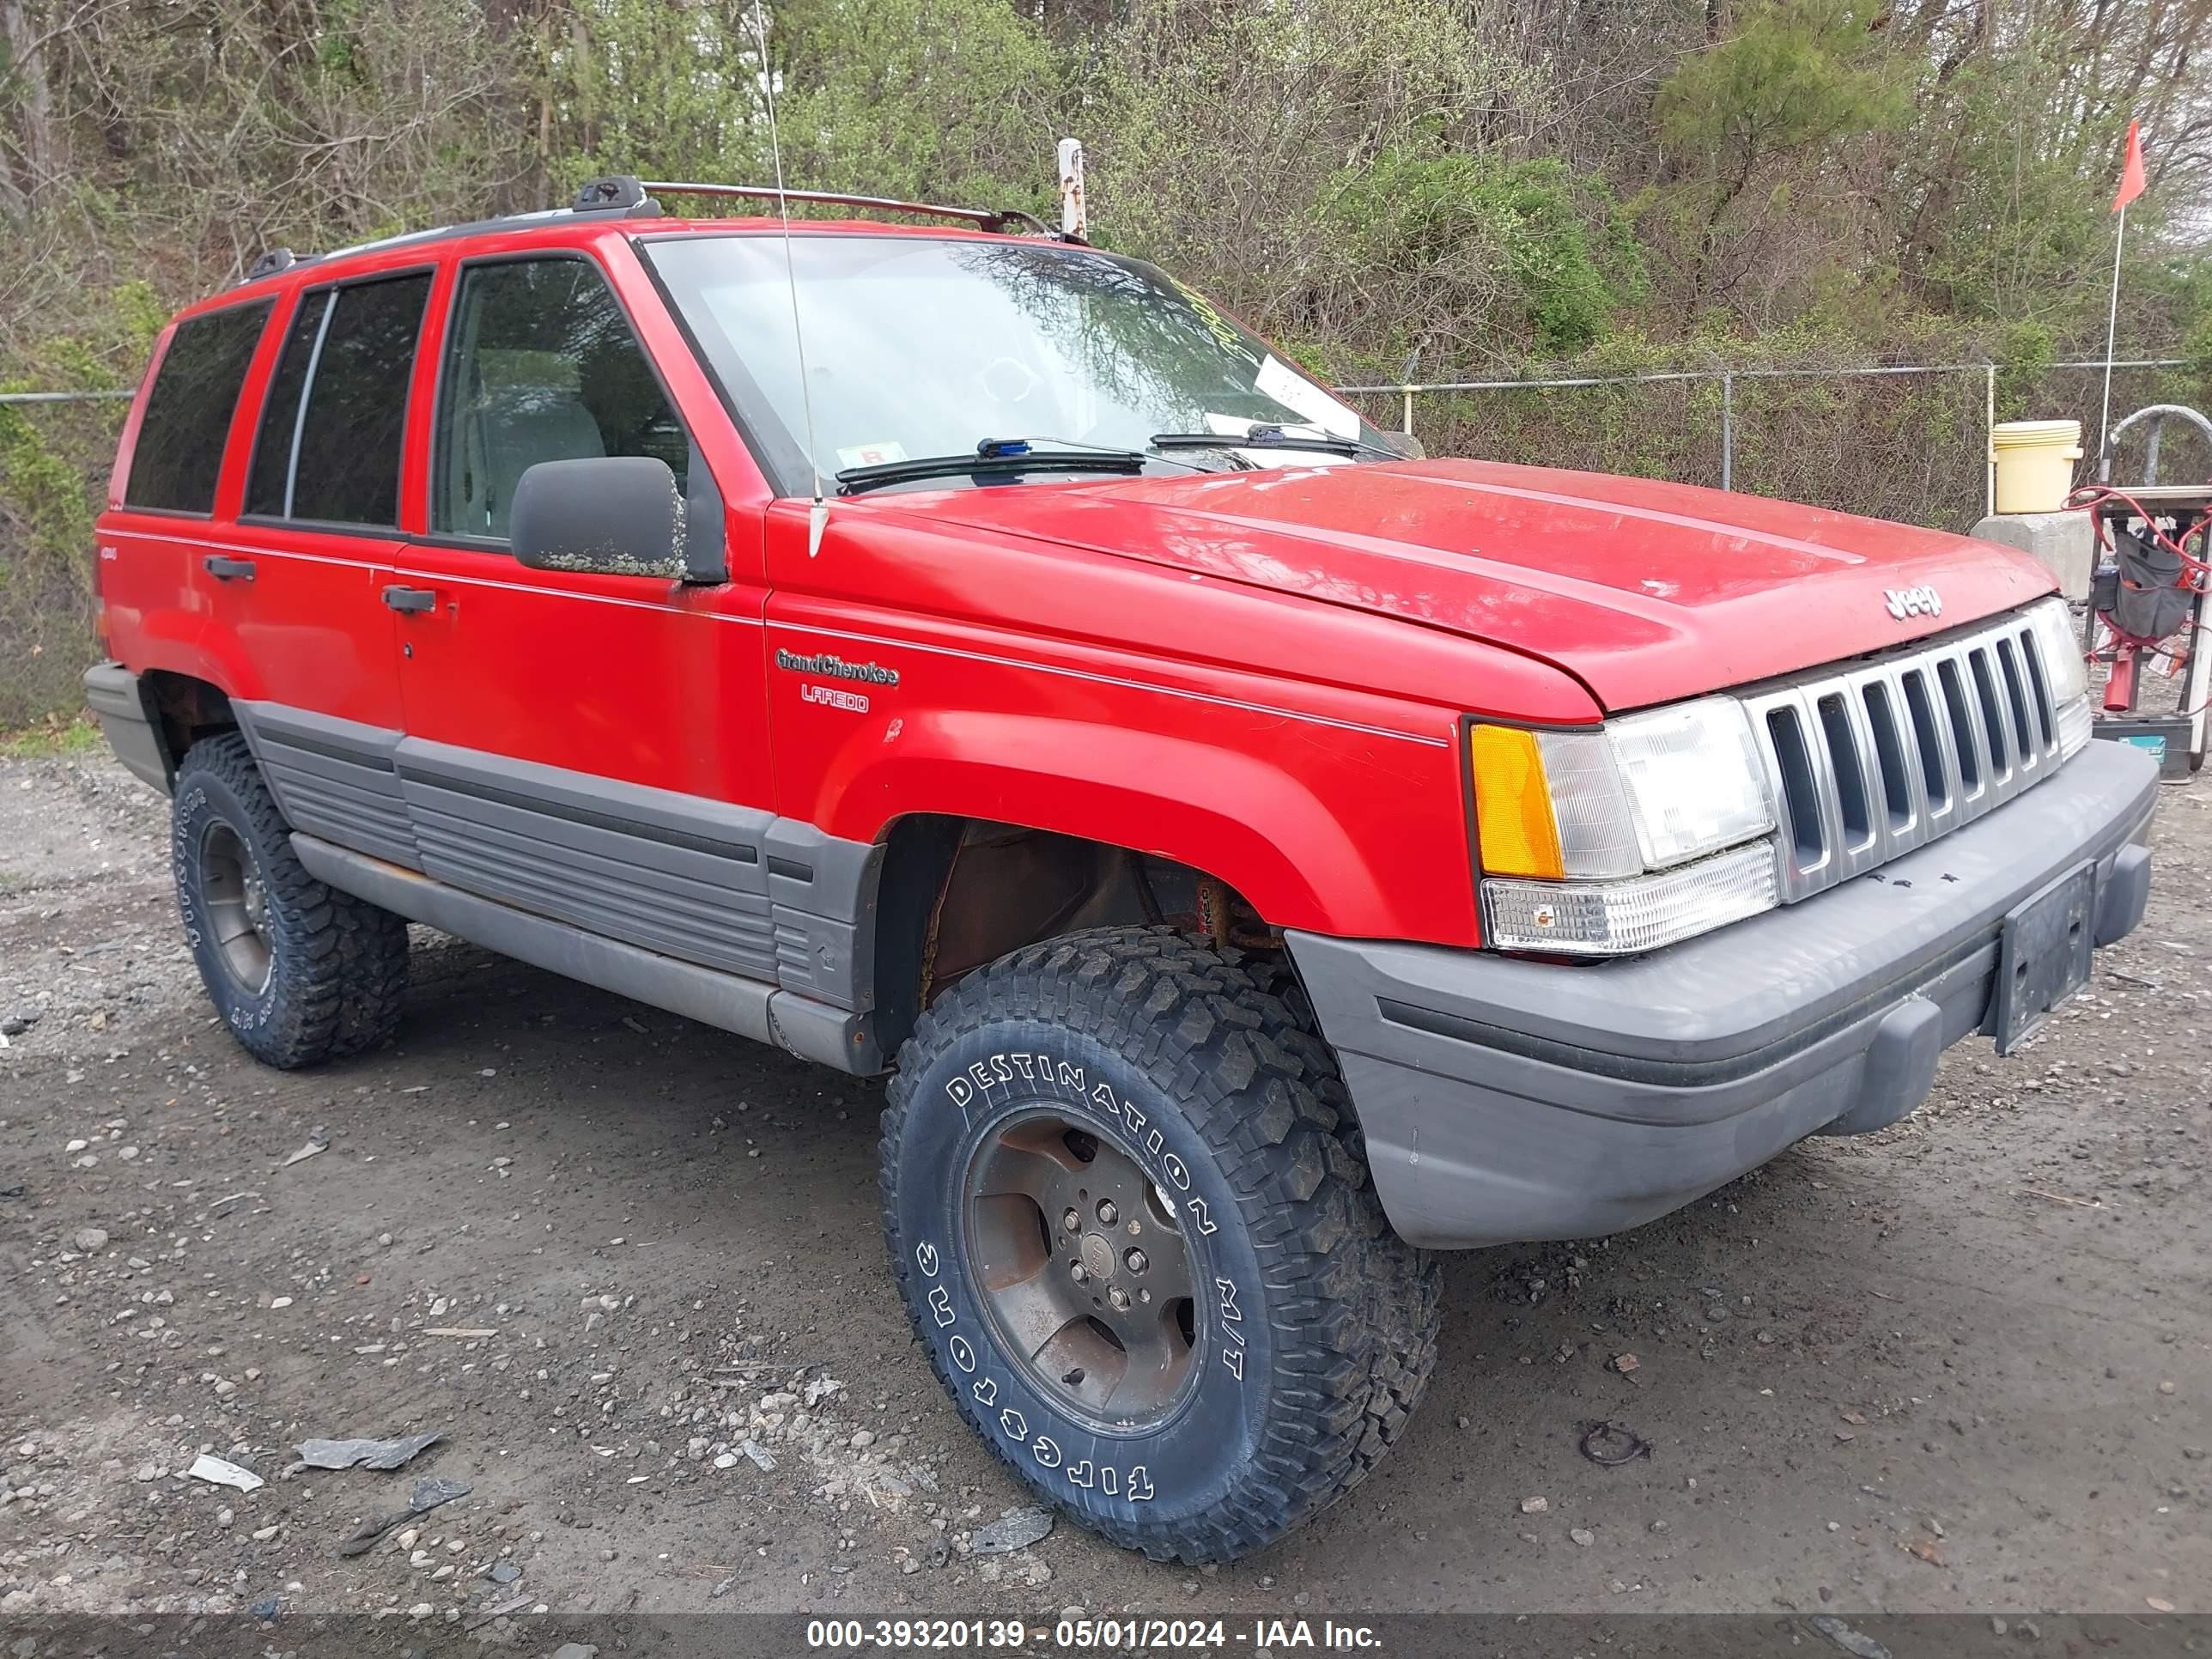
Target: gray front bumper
point(1503, 1099)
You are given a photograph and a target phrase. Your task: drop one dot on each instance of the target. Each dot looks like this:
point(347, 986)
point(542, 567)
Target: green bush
point(1389, 188)
point(1452, 225)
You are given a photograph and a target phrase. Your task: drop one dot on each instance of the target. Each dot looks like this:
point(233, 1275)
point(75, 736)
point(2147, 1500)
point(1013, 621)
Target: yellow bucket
point(2034, 462)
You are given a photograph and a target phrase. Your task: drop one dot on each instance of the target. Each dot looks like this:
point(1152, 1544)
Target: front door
point(590, 748)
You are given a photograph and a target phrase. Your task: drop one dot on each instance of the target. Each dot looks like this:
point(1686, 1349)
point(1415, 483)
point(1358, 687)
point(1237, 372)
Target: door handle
point(410, 598)
point(223, 569)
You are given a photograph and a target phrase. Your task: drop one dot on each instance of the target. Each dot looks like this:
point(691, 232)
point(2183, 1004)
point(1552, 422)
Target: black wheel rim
point(1082, 1267)
point(237, 902)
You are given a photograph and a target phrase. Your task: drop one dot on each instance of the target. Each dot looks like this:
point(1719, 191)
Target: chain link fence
point(1908, 441)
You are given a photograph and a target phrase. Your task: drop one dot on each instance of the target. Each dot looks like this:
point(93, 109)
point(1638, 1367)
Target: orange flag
point(2131, 173)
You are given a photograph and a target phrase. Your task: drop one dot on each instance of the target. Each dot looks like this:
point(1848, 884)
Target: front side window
point(335, 422)
point(921, 346)
point(541, 365)
point(178, 454)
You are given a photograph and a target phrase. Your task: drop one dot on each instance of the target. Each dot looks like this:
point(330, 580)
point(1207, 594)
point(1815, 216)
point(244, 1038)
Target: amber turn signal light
point(1514, 825)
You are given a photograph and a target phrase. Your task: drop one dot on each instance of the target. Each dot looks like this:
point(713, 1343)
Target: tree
point(1796, 81)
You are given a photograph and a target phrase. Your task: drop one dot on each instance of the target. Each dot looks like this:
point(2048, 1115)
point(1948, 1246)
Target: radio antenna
point(817, 513)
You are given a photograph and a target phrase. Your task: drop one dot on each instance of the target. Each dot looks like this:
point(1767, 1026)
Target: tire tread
point(1354, 1309)
point(341, 962)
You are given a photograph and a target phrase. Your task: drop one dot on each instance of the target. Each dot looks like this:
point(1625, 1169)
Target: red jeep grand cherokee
point(1259, 857)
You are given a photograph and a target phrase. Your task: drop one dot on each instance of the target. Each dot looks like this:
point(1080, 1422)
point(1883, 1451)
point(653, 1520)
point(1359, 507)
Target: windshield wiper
point(1272, 435)
point(992, 458)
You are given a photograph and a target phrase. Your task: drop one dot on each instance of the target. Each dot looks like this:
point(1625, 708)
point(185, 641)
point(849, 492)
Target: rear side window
point(335, 417)
point(540, 366)
point(187, 419)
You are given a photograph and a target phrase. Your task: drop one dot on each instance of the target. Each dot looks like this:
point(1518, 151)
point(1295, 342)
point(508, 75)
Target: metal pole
point(1728, 432)
point(1989, 444)
point(1406, 422)
point(1074, 208)
point(1877, 370)
point(2112, 334)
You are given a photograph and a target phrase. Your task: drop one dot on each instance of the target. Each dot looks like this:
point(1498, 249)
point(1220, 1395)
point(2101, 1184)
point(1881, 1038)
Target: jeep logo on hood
point(1923, 601)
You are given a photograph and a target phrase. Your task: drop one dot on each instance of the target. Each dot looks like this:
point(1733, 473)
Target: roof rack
point(624, 196)
point(277, 259)
point(272, 261)
point(613, 191)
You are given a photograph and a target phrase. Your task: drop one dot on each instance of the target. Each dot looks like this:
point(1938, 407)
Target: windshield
point(918, 346)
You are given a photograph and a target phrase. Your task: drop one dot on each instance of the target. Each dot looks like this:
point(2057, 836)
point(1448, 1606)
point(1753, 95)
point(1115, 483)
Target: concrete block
point(2065, 543)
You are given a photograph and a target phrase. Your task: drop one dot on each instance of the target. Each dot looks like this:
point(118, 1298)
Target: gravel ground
point(629, 1269)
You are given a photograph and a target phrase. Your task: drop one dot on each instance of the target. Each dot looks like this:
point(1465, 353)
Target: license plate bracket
point(2042, 958)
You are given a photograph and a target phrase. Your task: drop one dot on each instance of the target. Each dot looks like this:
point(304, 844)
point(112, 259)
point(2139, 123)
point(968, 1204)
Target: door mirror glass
point(609, 515)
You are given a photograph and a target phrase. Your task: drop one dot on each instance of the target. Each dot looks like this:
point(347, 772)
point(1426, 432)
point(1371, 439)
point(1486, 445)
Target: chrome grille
point(1872, 761)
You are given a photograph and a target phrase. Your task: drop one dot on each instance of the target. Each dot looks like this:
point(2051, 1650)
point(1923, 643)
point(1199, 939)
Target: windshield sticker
point(1224, 332)
point(871, 454)
point(1278, 380)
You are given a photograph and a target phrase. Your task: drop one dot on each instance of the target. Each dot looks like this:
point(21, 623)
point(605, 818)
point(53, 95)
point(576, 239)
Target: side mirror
point(610, 515)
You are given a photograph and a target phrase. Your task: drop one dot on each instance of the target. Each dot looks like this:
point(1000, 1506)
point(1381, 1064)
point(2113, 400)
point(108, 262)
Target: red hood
point(1646, 591)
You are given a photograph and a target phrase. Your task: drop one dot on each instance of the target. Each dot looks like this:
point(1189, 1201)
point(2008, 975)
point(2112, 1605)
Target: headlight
point(2060, 648)
point(1600, 841)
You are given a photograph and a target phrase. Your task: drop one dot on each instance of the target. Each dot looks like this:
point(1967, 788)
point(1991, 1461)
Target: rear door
point(302, 581)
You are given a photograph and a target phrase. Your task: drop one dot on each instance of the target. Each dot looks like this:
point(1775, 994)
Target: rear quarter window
point(181, 436)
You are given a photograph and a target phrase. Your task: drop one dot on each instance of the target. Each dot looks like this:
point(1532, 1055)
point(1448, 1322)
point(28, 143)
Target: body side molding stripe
point(692, 822)
point(1110, 680)
point(331, 777)
point(398, 567)
point(731, 889)
point(731, 1002)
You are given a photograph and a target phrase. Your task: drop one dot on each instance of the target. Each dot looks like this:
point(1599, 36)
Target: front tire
point(299, 972)
point(1119, 1113)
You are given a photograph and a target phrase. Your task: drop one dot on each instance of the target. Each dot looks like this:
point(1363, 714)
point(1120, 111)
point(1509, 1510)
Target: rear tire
point(1186, 1130)
point(299, 972)
point(373, 962)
